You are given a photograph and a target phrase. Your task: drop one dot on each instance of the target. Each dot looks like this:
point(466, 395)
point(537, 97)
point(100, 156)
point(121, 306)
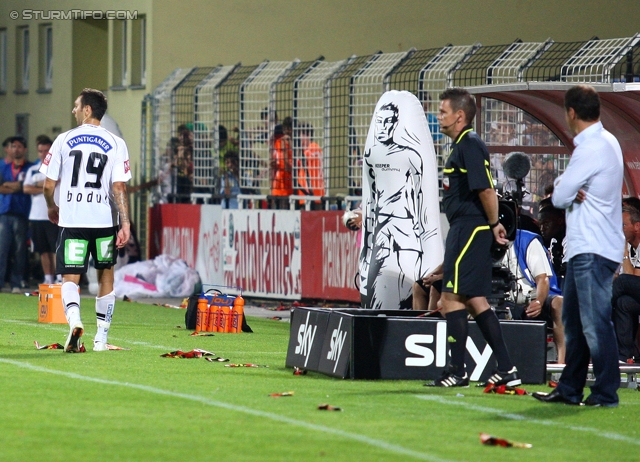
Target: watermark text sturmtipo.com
point(72, 14)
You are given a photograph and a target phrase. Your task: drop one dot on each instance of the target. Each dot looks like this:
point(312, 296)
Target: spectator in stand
point(230, 187)
point(167, 173)
point(546, 176)
point(282, 163)
point(309, 172)
point(184, 163)
point(14, 215)
point(226, 144)
point(626, 289)
point(44, 233)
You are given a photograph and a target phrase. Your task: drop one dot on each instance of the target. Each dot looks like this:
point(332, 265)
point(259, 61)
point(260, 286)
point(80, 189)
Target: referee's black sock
point(490, 327)
point(457, 332)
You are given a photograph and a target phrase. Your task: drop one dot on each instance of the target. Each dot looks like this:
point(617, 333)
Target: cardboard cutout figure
point(401, 239)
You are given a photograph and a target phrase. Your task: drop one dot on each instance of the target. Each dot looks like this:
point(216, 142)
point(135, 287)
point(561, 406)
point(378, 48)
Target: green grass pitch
point(137, 406)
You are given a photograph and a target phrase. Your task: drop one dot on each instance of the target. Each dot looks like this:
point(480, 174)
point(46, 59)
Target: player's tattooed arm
point(121, 199)
point(122, 203)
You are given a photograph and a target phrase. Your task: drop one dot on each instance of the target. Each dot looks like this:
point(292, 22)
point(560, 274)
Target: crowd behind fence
point(291, 134)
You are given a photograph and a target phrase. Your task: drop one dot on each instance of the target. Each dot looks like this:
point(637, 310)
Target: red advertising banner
point(330, 257)
point(174, 230)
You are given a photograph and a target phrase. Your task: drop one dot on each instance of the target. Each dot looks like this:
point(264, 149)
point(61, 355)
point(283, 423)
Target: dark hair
point(460, 99)
point(548, 189)
point(222, 133)
point(19, 139)
point(43, 139)
point(631, 202)
point(550, 211)
point(634, 213)
point(7, 141)
point(96, 100)
point(287, 122)
point(584, 100)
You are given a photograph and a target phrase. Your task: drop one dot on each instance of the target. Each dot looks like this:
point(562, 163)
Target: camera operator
point(536, 295)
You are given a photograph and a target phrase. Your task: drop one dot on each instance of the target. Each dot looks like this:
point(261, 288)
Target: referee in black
point(471, 205)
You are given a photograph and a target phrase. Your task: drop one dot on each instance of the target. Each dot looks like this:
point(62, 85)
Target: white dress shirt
point(595, 225)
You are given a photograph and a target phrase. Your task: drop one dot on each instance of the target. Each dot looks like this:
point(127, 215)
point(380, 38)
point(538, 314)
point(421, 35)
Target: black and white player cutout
point(402, 240)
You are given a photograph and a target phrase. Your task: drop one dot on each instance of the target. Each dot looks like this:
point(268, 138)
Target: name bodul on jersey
point(89, 197)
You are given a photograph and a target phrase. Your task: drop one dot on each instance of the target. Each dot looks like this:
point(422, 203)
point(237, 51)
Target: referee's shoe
point(449, 379)
point(509, 378)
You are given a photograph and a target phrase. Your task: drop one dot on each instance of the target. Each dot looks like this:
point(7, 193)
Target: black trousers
point(626, 309)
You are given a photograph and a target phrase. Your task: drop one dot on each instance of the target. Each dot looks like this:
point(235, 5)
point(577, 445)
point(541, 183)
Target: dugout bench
point(630, 370)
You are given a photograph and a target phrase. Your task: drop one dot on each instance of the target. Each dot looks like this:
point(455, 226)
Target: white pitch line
point(394, 448)
point(507, 415)
point(65, 329)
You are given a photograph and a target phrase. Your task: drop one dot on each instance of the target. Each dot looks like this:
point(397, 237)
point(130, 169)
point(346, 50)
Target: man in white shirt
point(90, 165)
point(626, 288)
point(590, 190)
point(44, 234)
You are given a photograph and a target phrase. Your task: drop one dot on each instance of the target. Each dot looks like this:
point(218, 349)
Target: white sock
point(71, 303)
point(104, 311)
point(48, 278)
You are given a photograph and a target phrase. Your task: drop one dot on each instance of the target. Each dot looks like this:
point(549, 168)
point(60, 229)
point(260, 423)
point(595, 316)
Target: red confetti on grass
point(53, 346)
point(114, 347)
point(243, 365)
point(278, 395)
point(58, 346)
point(217, 359)
point(489, 440)
point(504, 390)
point(196, 353)
point(328, 407)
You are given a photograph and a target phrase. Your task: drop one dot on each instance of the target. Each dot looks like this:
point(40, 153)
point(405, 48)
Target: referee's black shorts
point(467, 258)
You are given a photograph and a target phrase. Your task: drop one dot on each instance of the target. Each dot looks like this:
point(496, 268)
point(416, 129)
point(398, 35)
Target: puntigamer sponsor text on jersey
point(89, 139)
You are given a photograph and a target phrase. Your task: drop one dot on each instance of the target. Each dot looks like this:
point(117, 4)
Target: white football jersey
point(38, 202)
point(86, 161)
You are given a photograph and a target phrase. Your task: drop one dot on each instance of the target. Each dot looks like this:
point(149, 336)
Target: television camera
point(503, 282)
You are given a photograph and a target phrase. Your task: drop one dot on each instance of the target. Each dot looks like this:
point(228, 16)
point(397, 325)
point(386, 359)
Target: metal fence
point(315, 115)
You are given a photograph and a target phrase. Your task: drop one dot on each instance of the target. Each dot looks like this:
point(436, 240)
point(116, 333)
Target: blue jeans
point(13, 240)
point(588, 330)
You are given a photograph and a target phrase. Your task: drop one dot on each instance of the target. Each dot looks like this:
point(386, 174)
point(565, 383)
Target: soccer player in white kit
point(90, 166)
